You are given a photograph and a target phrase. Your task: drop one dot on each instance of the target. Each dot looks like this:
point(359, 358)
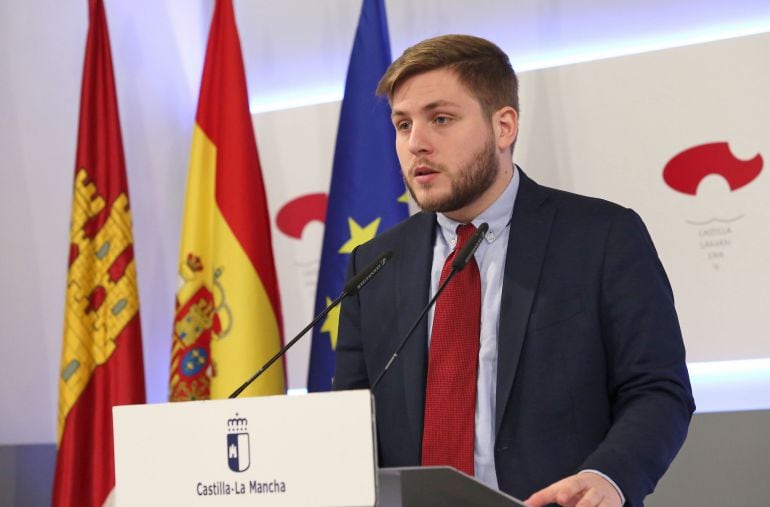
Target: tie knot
point(464, 233)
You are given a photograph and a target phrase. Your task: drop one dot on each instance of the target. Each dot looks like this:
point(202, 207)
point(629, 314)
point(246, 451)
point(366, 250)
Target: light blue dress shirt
point(490, 258)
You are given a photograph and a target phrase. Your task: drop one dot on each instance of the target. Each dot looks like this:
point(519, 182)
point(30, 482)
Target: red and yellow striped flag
point(101, 363)
point(228, 314)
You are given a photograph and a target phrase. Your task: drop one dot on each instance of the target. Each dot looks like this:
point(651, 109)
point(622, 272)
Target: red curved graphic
point(297, 213)
point(686, 170)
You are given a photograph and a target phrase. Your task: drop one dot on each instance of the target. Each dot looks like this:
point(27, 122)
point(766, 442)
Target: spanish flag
point(101, 360)
point(228, 313)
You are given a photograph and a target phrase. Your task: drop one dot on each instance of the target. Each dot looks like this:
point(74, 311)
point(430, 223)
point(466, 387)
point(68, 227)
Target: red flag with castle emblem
point(101, 360)
point(228, 313)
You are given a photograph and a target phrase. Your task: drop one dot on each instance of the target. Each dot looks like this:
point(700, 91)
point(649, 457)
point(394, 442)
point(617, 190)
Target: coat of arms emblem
point(238, 448)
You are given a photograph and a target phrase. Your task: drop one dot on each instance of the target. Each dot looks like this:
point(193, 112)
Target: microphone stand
point(458, 264)
point(351, 287)
point(286, 347)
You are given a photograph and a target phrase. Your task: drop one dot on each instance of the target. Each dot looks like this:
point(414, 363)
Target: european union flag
point(367, 193)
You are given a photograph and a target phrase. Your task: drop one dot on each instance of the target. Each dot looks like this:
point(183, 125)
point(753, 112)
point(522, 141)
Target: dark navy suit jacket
point(591, 367)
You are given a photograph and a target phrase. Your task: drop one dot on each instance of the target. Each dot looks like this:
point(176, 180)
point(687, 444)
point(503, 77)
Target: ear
point(505, 123)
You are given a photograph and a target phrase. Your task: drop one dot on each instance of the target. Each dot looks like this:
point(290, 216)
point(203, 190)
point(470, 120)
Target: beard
point(471, 181)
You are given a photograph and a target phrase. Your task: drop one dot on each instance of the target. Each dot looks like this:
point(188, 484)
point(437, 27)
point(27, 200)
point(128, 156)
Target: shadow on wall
point(27, 478)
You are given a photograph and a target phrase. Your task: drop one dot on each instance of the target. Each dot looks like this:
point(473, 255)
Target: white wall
point(295, 51)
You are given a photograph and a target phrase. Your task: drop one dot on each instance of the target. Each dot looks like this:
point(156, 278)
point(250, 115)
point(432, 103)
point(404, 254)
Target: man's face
point(445, 145)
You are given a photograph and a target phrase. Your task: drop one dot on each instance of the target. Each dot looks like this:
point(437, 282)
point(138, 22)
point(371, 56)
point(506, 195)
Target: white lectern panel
point(317, 449)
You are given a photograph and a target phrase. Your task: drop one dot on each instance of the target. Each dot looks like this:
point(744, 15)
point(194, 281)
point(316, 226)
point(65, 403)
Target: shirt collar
point(497, 216)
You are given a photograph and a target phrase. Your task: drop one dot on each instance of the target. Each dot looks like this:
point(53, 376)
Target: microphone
point(462, 258)
point(466, 254)
point(351, 287)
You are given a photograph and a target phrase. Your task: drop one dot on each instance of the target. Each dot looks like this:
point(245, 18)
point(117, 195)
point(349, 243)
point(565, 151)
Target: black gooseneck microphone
point(352, 286)
point(458, 263)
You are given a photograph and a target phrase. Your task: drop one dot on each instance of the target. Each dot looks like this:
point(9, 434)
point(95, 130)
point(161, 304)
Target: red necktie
point(450, 397)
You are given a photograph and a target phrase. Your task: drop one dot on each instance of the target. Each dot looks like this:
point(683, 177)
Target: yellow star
point(332, 323)
point(359, 235)
point(404, 197)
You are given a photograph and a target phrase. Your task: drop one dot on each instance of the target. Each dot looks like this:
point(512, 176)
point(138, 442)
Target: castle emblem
point(238, 447)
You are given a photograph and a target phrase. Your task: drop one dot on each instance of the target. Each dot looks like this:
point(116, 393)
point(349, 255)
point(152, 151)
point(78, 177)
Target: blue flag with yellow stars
point(367, 193)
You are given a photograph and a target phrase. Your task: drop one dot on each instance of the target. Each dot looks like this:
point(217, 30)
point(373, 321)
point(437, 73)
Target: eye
point(441, 120)
point(403, 125)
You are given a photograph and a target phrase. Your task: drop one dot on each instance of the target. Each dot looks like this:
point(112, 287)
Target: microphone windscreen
point(466, 254)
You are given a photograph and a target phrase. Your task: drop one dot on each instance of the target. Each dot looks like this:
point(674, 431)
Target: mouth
point(424, 175)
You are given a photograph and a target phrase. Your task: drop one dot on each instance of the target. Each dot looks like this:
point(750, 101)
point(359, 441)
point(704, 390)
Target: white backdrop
point(608, 128)
point(296, 52)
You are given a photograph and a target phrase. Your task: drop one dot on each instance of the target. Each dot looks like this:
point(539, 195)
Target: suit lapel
point(530, 230)
point(412, 293)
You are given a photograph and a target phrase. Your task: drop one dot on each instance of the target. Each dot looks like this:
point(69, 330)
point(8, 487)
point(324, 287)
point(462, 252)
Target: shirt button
point(454, 241)
point(490, 236)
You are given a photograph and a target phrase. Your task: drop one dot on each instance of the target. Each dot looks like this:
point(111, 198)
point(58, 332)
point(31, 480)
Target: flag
point(101, 360)
point(228, 315)
point(367, 192)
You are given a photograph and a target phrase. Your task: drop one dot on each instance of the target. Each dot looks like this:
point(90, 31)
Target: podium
point(439, 486)
point(311, 450)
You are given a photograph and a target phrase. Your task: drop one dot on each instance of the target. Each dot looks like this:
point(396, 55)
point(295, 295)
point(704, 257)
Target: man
point(563, 324)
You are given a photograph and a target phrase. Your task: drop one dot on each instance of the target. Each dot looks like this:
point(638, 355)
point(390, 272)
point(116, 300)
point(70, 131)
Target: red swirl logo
point(297, 213)
point(686, 170)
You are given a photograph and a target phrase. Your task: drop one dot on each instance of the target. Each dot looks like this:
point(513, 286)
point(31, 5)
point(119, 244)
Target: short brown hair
point(481, 66)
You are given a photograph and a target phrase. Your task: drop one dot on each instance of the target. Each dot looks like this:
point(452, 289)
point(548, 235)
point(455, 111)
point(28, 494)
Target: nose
point(419, 140)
